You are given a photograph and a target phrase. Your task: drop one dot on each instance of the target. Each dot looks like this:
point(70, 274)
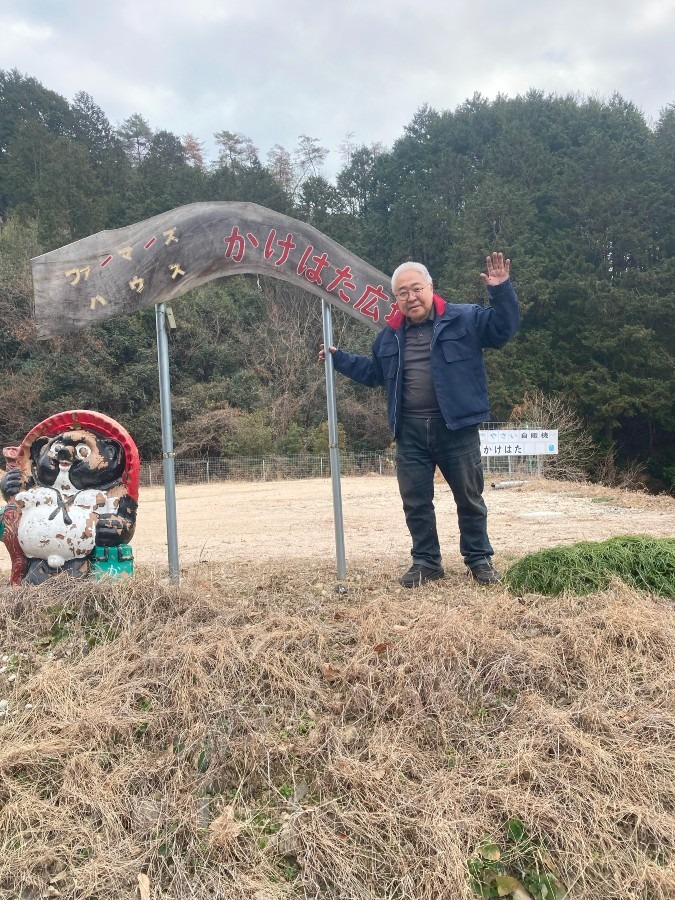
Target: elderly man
point(430, 358)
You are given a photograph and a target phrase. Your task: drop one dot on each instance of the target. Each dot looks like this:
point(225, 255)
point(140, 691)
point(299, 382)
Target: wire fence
point(267, 468)
point(203, 470)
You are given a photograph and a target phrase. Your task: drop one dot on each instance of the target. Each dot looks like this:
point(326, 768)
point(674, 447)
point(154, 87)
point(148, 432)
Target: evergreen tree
point(136, 135)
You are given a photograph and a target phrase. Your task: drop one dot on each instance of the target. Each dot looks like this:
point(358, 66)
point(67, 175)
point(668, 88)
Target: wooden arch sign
point(115, 273)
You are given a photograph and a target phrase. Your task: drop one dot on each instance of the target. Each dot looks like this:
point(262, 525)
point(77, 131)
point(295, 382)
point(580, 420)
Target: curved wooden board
point(115, 273)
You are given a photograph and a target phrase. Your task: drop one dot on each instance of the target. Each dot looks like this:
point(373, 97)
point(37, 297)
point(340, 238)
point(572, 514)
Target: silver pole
point(333, 448)
point(167, 442)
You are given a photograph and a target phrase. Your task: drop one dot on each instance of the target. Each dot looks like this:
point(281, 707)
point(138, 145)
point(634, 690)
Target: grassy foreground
point(254, 734)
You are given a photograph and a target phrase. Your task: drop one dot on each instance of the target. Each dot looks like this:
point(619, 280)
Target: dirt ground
point(282, 520)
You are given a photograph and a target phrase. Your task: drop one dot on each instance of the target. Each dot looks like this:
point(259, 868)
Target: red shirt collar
point(397, 318)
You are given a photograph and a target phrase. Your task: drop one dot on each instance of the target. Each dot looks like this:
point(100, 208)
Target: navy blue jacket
point(461, 331)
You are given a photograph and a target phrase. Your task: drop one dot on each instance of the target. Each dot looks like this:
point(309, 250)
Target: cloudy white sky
point(275, 70)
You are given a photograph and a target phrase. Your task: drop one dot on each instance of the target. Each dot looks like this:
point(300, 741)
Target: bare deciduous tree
point(577, 452)
point(194, 151)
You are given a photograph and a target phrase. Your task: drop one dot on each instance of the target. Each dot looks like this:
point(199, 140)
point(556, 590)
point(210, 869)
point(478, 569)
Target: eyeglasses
point(403, 295)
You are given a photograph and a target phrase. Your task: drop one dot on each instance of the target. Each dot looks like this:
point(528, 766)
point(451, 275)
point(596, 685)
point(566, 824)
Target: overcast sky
point(275, 70)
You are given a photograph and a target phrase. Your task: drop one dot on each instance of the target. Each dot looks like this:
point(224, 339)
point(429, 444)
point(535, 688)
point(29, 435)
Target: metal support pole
point(333, 448)
point(167, 442)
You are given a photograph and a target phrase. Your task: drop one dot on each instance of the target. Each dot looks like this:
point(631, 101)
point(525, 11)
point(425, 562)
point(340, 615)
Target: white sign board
point(519, 442)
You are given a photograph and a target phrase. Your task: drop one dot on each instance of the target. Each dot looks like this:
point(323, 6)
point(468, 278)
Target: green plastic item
point(112, 562)
point(2, 521)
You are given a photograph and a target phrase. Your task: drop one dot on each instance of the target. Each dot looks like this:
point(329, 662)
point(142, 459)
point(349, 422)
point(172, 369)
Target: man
point(430, 358)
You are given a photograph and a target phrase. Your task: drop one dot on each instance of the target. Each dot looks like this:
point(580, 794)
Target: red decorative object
point(42, 495)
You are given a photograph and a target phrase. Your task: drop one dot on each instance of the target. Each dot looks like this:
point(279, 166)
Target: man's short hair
point(418, 267)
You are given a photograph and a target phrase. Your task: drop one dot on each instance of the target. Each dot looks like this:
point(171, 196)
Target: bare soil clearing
point(293, 520)
point(239, 522)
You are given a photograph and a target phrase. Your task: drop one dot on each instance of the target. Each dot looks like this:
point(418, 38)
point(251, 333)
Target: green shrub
point(640, 561)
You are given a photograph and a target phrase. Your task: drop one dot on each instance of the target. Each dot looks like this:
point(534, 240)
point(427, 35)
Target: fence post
point(207, 470)
point(150, 474)
point(263, 469)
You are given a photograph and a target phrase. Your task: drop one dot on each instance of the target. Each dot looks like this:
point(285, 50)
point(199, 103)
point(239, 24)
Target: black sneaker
point(484, 572)
point(418, 575)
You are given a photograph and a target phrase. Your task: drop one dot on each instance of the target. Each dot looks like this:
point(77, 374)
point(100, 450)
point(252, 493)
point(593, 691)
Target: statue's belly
point(53, 539)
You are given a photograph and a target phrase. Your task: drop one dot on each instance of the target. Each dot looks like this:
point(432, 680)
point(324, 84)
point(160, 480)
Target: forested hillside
point(578, 192)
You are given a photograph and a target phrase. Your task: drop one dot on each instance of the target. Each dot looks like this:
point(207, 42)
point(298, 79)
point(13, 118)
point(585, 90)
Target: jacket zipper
point(398, 369)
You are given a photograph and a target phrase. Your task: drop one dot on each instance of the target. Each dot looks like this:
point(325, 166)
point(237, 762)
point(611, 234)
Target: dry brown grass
point(253, 734)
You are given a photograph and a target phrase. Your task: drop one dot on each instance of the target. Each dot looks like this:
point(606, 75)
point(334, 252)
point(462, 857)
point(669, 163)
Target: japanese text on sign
point(519, 442)
point(273, 247)
point(311, 266)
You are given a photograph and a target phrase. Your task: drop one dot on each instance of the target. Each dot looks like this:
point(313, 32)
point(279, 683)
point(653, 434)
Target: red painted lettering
point(314, 275)
point(287, 244)
point(269, 243)
point(305, 257)
point(342, 277)
point(392, 313)
point(369, 299)
point(235, 245)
